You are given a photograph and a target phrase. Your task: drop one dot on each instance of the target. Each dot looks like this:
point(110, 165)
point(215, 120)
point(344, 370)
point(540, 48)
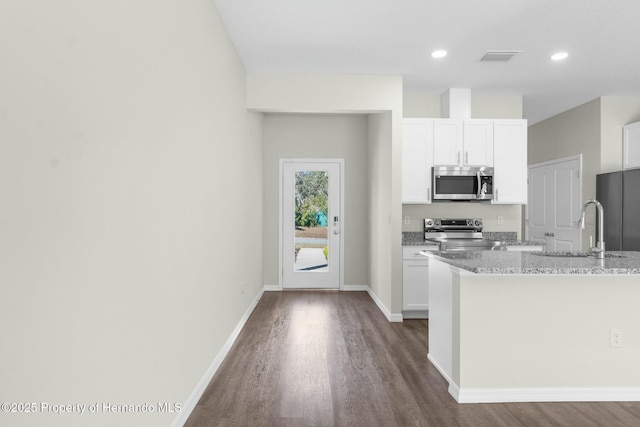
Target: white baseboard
point(442, 372)
point(395, 317)
point(346, 288)
point(355, 288)
point(192, 401)
point(415, 314)
point(391, 317)
point(621, 394)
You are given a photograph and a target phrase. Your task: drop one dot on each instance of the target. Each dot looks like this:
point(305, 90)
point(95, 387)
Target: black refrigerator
point(619, 193)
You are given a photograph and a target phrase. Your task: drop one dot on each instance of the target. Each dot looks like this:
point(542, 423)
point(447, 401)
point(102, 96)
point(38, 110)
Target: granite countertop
point(416, 238)
point(521, 243)
point(507, 262)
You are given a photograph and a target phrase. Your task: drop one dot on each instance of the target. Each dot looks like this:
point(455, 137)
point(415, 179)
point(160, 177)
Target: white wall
point(380, 205)
point(317, 93)
point(319, 136)
point(423, 105)
point(491, 106)
point(418, 105)
point(483, 105)
point(567, 134)
point(128, 169)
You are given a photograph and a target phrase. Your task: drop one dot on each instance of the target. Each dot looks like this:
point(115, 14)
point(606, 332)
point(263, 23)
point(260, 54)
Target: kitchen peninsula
point(522, 327)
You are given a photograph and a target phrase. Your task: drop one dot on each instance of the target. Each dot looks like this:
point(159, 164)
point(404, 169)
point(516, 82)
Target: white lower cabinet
point(415, 289)
point(415, 281)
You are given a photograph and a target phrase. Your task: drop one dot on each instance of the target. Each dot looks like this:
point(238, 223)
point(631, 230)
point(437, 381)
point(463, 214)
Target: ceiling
point(602, 38)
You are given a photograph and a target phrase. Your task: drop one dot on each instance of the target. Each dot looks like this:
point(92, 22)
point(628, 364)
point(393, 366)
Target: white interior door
point(311, 221)
point(555, 201)
point(537, 218)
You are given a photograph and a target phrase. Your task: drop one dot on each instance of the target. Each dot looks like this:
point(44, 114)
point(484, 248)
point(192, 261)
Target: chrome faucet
point(598, 250)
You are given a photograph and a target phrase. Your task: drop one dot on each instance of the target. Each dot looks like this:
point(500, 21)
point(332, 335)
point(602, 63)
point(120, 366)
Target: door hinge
point(578, 174)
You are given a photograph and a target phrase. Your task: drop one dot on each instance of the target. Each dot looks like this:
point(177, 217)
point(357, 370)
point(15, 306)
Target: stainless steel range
point(459, 235)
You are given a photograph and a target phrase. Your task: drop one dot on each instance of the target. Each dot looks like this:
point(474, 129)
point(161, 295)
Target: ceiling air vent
point(499, 55)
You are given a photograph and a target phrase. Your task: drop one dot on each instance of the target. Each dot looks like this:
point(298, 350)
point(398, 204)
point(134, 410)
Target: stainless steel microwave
point(462, 183)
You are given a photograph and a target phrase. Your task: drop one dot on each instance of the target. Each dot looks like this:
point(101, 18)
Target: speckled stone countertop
point(413, 238)
point(507, 262)
point(416, 238)
point(521, 242)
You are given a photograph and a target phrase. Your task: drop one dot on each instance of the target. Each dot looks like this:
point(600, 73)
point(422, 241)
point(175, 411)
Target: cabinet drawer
point(413, 252)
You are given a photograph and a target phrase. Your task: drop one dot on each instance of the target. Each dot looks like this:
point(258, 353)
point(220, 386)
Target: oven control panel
point(441, 224)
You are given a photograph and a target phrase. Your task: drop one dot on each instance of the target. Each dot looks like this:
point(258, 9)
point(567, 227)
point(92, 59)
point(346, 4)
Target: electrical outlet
point(616, 338)
point(500, 219)
point(407, 220)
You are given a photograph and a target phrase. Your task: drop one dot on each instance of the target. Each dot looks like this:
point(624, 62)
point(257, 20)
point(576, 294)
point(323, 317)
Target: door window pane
point(311, 221)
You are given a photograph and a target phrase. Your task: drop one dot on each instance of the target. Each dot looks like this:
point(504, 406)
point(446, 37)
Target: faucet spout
point(598, 250)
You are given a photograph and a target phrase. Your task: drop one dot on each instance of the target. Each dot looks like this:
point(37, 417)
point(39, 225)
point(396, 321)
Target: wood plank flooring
point(324, 358)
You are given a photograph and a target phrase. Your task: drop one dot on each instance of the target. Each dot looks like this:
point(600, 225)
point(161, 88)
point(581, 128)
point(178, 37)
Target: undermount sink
point(577, 254)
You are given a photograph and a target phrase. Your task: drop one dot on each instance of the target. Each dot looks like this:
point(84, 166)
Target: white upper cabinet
point(462, 142)
point(447, 142)
point(417, 160)
point(631, 146)
point(478, 143)
point(475, 142)
point(510, 161)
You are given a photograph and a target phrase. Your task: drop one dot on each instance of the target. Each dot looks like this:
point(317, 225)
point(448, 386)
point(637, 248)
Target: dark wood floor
point(318, 358)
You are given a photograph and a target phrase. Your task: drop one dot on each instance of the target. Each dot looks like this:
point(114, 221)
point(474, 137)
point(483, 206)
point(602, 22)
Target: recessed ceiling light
point(559, 56)
point(439, 54)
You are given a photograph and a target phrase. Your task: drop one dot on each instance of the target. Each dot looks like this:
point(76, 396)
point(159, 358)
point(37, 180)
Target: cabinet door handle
point(458, 157)
point(466, 157)
point(496, 194)
point(428, 194)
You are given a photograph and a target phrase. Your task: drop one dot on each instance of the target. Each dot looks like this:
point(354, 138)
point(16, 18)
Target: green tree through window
point(312, 190)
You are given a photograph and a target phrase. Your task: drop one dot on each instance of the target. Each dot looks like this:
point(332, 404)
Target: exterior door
point(555, 201)
point(311, 218)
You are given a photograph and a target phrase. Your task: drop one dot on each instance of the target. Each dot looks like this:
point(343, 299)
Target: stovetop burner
point(459, 235)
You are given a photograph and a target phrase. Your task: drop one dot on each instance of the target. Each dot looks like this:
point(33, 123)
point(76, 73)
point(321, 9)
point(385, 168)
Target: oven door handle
point(479, 185)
